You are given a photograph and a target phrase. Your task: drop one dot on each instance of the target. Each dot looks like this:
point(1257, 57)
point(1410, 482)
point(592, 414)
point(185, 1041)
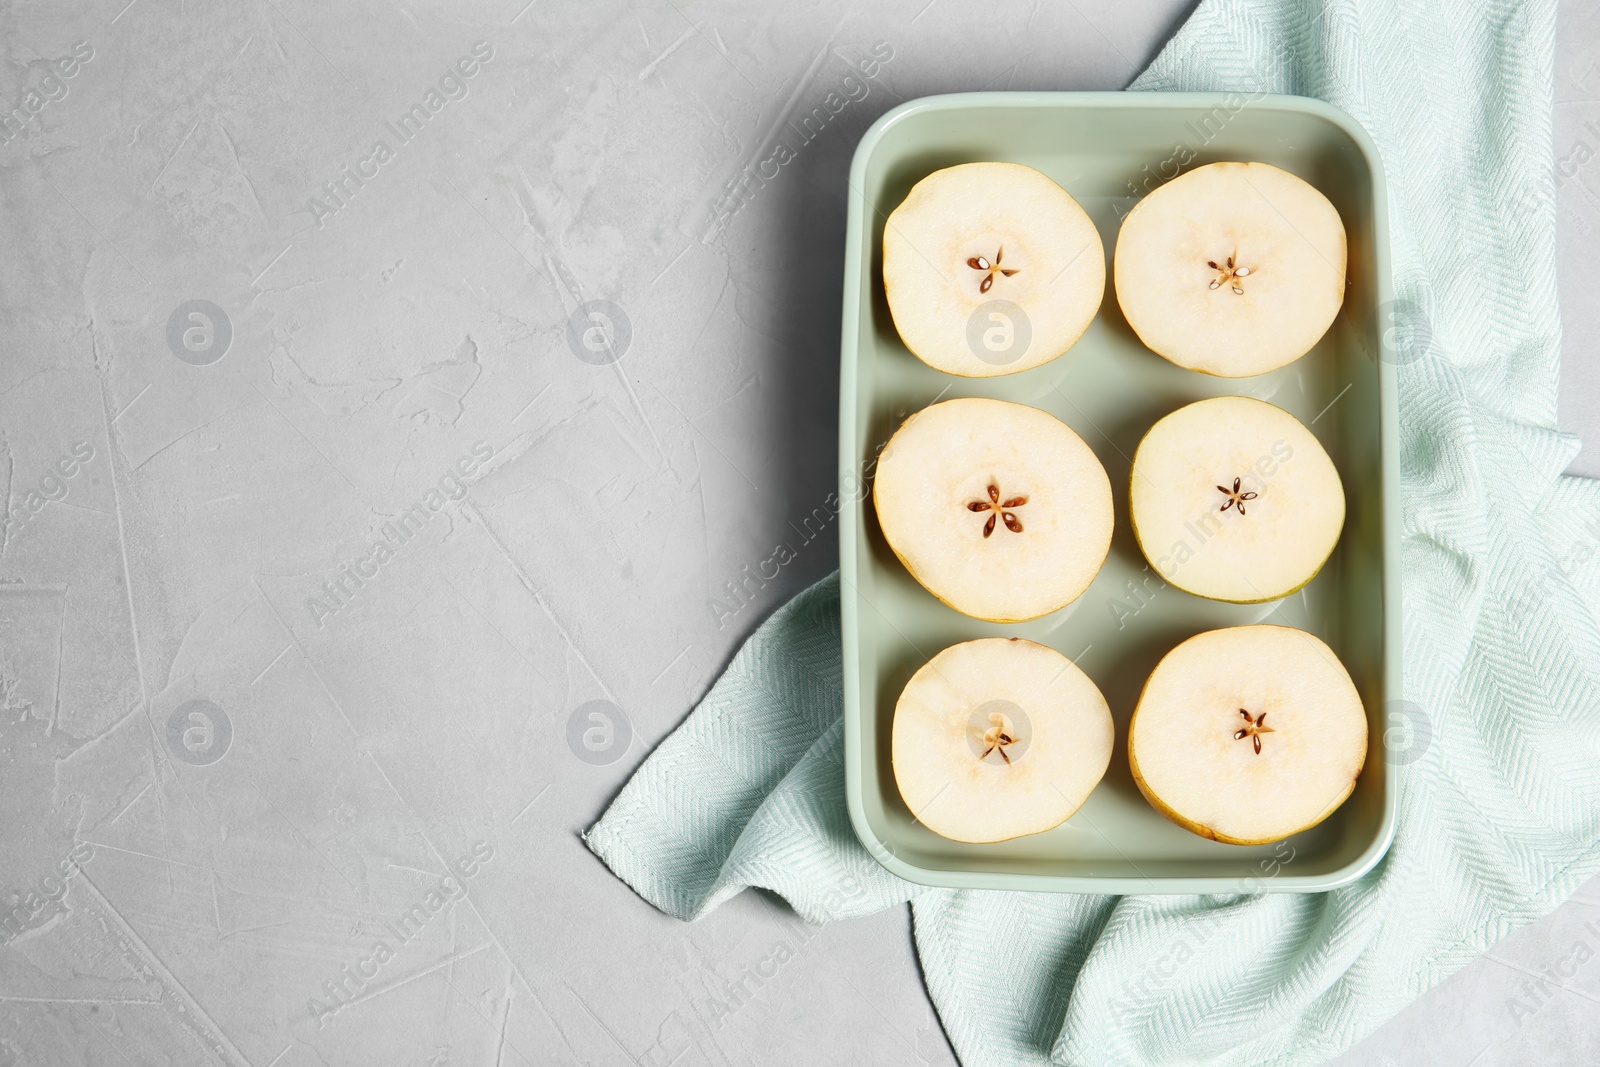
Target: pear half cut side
point(1234, 499)
point(1233, 269)
point(998, 509)
point(1248, 734)
point(999, 738)
point(991, 268)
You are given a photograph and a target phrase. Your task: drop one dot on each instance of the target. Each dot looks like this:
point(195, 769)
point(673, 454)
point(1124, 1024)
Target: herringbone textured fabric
point(1499, 818)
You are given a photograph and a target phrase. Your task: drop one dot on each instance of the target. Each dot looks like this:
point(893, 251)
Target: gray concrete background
point(249, 778)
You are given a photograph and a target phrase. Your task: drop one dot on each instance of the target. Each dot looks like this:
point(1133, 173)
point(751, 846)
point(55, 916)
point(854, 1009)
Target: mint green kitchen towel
point(1500, 790)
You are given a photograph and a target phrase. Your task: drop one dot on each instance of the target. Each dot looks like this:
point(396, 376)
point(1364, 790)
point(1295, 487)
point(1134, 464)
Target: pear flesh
point(991, 268)
point(1235, 499)
point(1233, 269)
point(998, 509)
point(1248, 734)
point(998, 738)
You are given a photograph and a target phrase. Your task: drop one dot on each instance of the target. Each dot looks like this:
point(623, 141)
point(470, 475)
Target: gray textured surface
point(235, 858)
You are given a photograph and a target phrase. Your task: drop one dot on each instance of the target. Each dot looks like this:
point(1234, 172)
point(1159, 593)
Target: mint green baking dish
point(1107, 150)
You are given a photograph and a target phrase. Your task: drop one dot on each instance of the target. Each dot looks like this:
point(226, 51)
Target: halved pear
point(991, 268)
point(1000, 510)
point(1234, 499)
point(1248, 734)
point(997, 738)
point(1233, 269)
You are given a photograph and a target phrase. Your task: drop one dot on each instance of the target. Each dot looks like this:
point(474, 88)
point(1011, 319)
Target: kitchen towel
point(1499, 815)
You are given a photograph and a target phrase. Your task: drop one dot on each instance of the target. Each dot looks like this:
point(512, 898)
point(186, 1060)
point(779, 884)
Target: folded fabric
point(1500, 802)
